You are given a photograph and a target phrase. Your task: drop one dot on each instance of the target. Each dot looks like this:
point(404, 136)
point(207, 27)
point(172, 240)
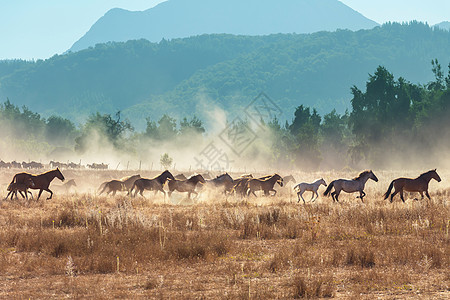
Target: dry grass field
point(81, 245)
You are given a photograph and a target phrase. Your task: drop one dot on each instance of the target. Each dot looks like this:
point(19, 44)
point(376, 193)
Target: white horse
point(312, 187)
point(350, 186)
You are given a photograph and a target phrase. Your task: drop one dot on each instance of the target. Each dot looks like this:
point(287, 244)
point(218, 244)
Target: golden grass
point(86, 246)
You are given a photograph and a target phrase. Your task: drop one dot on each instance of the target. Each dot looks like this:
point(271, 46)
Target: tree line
point(392, 120)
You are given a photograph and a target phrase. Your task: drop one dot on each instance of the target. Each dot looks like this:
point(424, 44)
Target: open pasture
point(81, 245)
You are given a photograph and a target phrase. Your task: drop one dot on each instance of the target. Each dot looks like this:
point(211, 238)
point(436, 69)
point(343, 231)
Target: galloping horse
point(224, 182)
point(155, 184)
point(266, 185)
point(350, 186)
point(113, 186)
point(185, 186)
point(41, 181)
point(312, 187)
point(419, 184)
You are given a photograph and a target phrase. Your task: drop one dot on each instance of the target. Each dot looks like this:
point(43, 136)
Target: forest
point(178, 76)
point(390, 121)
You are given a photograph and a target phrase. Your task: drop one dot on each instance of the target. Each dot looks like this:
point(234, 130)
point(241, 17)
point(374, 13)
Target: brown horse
point(113, 186)
point(185, 186)
point(357, 184)
point(419, 185)
point(14, 187)
point(41, 181)
point(156, 184)
point(266, 185)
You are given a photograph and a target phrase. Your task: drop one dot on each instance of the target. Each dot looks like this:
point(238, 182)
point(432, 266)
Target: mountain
point(185, 18)
point(195, 75)
point(443, 25)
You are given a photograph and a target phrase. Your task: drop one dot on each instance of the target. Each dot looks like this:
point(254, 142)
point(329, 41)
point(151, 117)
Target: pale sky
point(41, 28)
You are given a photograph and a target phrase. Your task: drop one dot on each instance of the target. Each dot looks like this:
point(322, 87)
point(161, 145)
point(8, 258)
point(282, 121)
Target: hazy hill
point(185, 18)
point(193, 75)
point(443, 25)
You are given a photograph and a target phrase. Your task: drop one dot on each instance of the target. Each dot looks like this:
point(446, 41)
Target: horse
point(312, 187)
point(155, 184)
point(419, 184)
point(185, 186)
point(113, 186)
point(224, 182)
point(350, 186)
point(15, 187)
point(266, 185)
point(41, 181)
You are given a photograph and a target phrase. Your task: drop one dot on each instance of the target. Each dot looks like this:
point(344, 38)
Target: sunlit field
point(82, 245)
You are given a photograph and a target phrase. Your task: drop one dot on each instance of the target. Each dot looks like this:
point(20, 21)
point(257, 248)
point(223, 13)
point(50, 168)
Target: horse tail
point(14, 179)
point(105, 186)
point(328, 190)
point(102, 186)
point(132, 188)
point(386, 195)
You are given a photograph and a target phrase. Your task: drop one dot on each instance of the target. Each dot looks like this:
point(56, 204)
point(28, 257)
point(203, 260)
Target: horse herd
point(244, 185)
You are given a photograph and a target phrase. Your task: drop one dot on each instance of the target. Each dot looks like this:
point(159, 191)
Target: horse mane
point(426, 173)
point(362, 174)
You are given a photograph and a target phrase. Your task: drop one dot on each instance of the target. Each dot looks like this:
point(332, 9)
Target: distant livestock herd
point(33, 165)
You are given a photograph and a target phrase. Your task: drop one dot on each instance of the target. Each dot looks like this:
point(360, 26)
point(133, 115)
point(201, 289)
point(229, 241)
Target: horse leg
point(393, 194)
point(317, 196)
point(312, 196)
point(428, 195)
point(362, 195)
point(301, 195)
point(273, 191)
point(401, 196)
point(51, 194)
point(337, 195)
point(39, 195)
point(332, 196)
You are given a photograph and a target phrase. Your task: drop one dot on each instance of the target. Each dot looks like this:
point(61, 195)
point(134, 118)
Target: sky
point(33, 29)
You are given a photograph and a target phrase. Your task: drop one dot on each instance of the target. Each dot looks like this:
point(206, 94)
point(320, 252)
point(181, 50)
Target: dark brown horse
point(185, 186)
point(113, 187)
point(41, 181)
point(419, 185)
point(266, 185)
point(14, 187)
point(155, 184)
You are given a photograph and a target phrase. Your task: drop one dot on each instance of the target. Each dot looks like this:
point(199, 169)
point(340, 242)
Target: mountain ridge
point(181, 18)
